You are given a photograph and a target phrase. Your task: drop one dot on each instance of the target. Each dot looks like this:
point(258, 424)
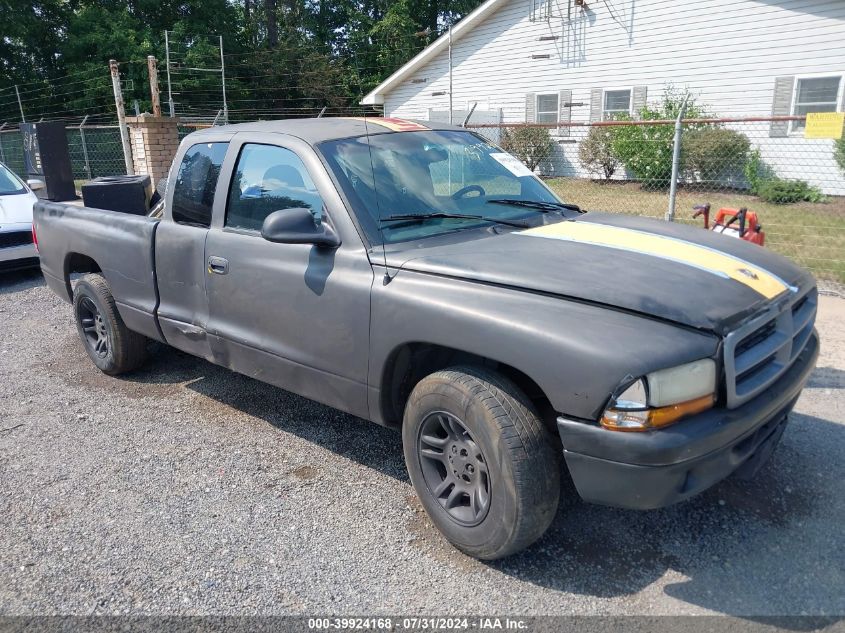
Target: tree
point(283, 56)
point(272, 28)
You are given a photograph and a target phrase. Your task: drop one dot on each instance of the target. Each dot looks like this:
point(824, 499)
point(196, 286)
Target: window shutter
point(781, 104)
point(595, 105)
point(842, 103)
point(638, 100)
point(530, 108)
point(564, 111)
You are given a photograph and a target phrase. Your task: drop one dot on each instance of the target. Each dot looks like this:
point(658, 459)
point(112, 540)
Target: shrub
point(715, 154)
point(839, 152)
point(781, 191)
point(596, 152)
point(646, 150)
point(755, 171)
point(531, 145)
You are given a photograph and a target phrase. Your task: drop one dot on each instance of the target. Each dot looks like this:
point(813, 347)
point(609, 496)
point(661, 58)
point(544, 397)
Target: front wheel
point(484, 466)
point(113, 347)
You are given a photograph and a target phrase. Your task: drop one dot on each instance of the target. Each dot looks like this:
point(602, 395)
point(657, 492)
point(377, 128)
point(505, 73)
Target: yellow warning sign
point(824, 125)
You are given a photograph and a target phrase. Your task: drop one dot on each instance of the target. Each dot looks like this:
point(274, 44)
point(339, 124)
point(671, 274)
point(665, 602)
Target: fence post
point(2, 151)
point(167, 68)
point(121, 117)
point(223, 82)
point(84, 146)
point(154, 91)
point(20, 105)
point(676, 160)
point(469, 114)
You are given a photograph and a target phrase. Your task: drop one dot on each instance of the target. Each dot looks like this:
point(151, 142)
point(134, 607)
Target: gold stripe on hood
point(669, 248)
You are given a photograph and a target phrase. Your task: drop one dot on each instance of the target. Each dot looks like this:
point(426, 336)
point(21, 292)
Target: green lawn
point(811, 234)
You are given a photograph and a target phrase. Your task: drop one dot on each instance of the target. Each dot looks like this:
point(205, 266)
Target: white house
point(586, 60)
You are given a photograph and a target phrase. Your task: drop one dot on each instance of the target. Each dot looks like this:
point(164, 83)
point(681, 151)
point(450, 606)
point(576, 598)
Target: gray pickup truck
point(416, 275)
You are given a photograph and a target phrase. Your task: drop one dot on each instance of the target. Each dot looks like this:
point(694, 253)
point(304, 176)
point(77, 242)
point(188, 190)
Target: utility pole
point(167, 60)
point(450, 74)
point(20, 105)
point(223, 78)
point(121, 117)
point(154, 91)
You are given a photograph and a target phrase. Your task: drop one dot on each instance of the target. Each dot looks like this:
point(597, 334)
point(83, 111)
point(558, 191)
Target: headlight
point(663, 397)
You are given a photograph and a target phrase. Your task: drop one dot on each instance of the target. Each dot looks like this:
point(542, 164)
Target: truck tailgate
point(121, 245)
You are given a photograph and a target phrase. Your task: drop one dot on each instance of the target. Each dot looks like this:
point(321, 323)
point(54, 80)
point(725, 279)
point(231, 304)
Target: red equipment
point(748, 229)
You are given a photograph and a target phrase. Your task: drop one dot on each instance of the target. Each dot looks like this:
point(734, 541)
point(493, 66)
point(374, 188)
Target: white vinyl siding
point(815, 94)
point(728, 53)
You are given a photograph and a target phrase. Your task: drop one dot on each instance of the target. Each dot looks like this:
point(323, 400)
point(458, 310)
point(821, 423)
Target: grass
point(811, 234)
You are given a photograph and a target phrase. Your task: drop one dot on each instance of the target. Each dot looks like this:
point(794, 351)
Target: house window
point(616, 102)
point(814, 94)
point(547, 108)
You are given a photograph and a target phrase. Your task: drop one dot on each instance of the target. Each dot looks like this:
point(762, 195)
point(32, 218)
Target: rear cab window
point(193, 192)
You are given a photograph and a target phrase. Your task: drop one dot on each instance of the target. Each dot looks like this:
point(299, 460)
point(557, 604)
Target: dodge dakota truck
point(416, 275)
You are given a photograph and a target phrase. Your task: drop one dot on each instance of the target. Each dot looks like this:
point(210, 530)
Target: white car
point(16, 201)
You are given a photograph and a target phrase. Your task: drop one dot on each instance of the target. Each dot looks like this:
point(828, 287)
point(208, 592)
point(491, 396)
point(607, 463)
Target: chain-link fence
point(794, 185)
point(95, 150)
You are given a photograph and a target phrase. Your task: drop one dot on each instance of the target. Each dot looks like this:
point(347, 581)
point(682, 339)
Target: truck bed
point(72, 238)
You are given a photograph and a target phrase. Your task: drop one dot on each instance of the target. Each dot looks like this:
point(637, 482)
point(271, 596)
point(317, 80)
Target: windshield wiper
point(539, 205)
point(422, 217)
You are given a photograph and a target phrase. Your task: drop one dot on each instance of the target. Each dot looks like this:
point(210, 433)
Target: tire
point(499, 457)
point(109, 343)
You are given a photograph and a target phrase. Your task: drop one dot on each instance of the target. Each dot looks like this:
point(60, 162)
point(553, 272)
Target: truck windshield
point(9, 183)
point(437, 173)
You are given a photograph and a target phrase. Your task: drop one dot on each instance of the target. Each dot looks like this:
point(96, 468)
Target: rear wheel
point(485, 468)
point(113, 347)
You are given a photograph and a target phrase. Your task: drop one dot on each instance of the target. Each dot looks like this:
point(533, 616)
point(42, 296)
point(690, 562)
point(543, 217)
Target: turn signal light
point(639, 420)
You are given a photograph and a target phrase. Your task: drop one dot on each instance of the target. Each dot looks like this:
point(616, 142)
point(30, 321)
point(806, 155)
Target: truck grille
point(760, 351)
point(15, 238)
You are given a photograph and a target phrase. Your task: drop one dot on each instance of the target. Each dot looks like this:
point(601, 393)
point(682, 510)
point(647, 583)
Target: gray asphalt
point(187, 489)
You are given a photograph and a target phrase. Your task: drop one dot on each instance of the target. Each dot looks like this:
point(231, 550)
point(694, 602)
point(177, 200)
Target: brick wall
point(154, 143)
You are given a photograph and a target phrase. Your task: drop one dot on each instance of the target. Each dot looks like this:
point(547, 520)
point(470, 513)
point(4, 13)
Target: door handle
point(218, 265)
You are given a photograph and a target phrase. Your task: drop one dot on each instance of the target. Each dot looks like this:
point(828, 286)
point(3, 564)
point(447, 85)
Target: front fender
point(576, 352)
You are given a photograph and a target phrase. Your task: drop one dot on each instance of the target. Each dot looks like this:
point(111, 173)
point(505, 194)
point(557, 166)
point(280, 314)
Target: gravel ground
point(187, 489)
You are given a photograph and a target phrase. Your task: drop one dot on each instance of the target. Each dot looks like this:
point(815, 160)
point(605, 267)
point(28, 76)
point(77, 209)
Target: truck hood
point(663, 270)
point(16, 208)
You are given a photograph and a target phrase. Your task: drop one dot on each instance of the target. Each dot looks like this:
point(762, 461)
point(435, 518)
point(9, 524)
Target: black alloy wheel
point(94, 327)
point(454, 468)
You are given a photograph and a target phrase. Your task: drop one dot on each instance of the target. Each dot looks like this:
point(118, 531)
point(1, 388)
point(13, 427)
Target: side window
point(193, 193)
point(547, 108)
point(616, 102)
point(814, 94)
point(267, 179)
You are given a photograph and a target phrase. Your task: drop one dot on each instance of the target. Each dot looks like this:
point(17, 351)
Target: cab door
point(180, 245)
point(294, 315)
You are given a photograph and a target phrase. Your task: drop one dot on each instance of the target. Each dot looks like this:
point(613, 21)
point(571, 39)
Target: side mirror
point(297, 226)
point(35, 184)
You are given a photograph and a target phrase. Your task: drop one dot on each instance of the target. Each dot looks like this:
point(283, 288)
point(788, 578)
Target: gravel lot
point(187, 489)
